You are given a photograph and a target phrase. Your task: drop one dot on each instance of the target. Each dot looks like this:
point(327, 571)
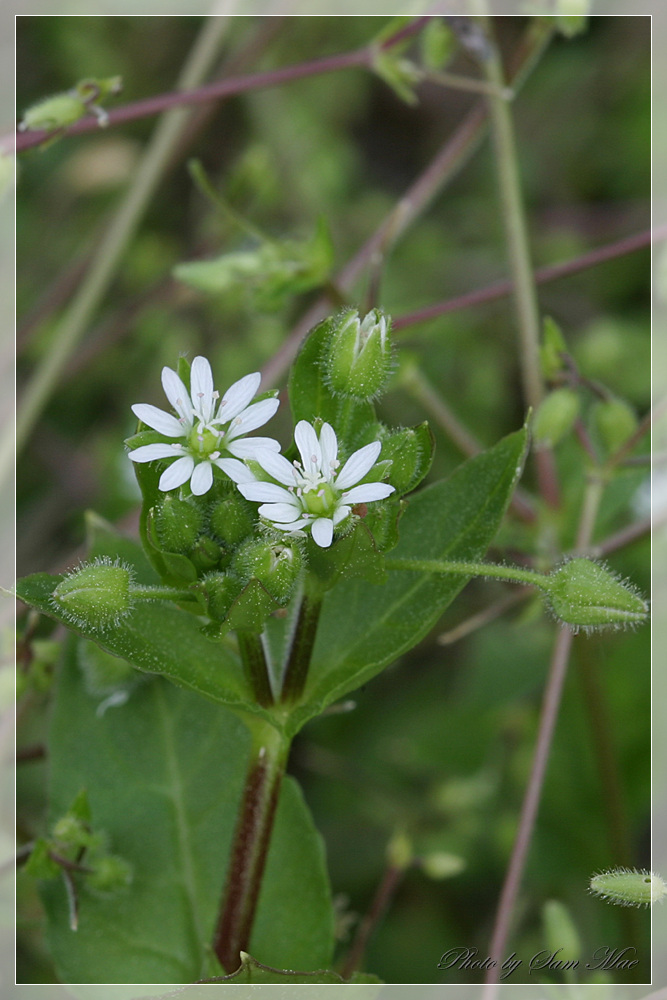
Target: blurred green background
point(440, 745)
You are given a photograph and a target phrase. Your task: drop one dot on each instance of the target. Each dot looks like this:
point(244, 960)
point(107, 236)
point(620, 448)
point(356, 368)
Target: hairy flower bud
point(233, 519)
point(555, 417)
point(276, 566)
point(178, 524)
point(586, 595)
point(205, 554)
point(410, 451)
point(358, 358)
point(97, 594)
point(220, 590)
point(111, 874)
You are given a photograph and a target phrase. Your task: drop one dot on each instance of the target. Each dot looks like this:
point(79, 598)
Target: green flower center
point(320, 500)
point(203, 441)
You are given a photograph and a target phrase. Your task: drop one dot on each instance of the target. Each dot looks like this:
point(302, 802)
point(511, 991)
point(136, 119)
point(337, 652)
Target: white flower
point(208, 434)
point(313, 493)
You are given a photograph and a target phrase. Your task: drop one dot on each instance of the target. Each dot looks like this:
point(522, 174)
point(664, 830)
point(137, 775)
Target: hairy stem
point(513, 574)
point(250, 845)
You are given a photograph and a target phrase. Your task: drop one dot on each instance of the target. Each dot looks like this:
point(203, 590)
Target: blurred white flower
point(208, 435)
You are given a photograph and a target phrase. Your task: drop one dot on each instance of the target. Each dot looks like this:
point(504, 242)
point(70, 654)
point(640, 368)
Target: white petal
point(177, 473)
point(238, 396)
point(281, 512)
point(236, 470)
point(252, 417)
point(177, 394)
point(278, 467)
point(201, 390)
point(294, 525)
point(151, 452)
point(250, 447)
point(329, 447)
point(308, 445)
point(357, 465)
point(340, 514)
point(202, 479)
point(367, 492)
point(249, 491)
point(268, 493)
point(159, 420)
point(322, 530)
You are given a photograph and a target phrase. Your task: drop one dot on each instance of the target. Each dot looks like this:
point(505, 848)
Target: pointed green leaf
point(164, 774)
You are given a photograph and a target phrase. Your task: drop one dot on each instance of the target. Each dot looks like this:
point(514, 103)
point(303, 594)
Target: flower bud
point(277, 567)
point(586, 595)
point(205, 554)
point(399, 852)
point(233, 519)
point(96, 595)
point(358, 357)
point(614, 422)
point(555, 417)
point(552, 349)
point(410, 451)
point(220, 590)
point(178, 524)
point(110, 874)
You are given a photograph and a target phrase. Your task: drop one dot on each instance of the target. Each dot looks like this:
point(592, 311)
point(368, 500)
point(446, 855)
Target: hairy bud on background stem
point(587, 595)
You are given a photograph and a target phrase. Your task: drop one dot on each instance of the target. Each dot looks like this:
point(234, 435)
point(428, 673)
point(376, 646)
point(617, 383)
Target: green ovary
point(203, 442)
point(319, 501)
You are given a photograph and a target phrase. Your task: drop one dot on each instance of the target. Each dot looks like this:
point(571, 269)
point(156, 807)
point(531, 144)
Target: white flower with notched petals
point(312, 493)
point(208, 430)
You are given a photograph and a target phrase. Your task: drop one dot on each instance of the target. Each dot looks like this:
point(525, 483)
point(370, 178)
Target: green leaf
point(364, 627)
point(164, 774)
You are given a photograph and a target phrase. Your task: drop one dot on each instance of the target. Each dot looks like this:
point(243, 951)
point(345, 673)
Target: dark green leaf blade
point(365, 627)
point(164, 774)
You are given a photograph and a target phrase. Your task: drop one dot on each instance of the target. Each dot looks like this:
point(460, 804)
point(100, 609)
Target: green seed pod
point(178, 524)
point(111, 874)
point(358, 358)
point(233, 520)
point(586, 595)
point(560, 931)
point(220, 590)
point(276, 566)
point(205, 554)
point(555, 417)
point(97, 594)
point(614, 422)
point(629, 887)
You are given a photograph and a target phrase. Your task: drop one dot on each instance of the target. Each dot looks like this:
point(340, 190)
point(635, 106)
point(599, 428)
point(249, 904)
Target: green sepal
point(382, 521)
point(251, 608)
point(552, 348)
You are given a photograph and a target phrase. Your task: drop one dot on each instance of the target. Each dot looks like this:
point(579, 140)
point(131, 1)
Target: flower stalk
point(298, 662)
point(255, 666)
point(250, 845)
